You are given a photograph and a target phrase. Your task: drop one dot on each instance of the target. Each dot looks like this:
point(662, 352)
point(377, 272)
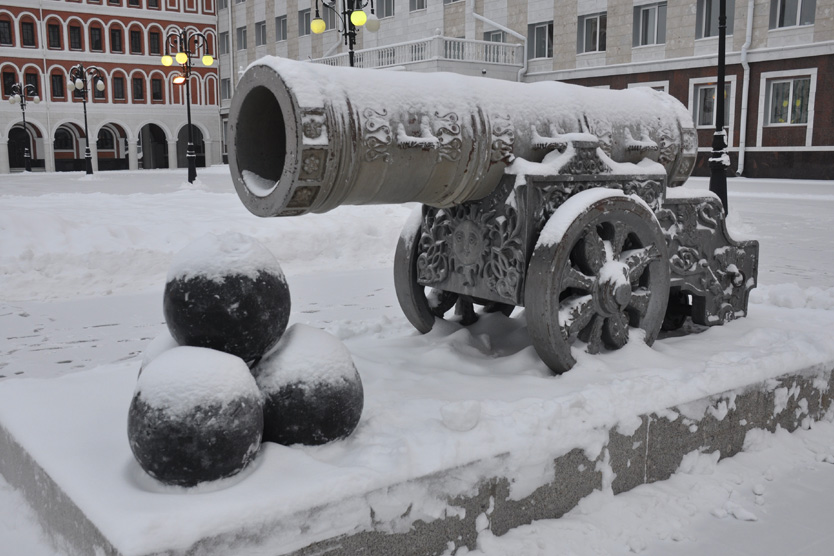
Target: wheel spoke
point(575, 313)
point(576, 279)
point(638, 259)
point(593, 251)
point(615, 332)
point(618, 239)
point(640, 302)
point(594, 338)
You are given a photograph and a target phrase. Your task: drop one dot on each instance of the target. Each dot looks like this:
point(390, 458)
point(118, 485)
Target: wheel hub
point(613, 292)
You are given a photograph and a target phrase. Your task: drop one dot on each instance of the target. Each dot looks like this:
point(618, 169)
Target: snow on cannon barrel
point(557, 198)
point(309, 137)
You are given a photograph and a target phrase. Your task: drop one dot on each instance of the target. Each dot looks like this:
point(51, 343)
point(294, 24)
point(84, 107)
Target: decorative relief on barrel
point(585, 160)
point(303, 196)
point(604, 132)
point(448, 132)
point(312, 164)
point(314, 128)
point(376, 135)
point(503, 136)
point(669, 148)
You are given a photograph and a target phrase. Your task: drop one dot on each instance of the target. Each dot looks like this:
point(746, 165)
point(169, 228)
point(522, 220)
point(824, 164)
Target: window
point(540, 40)
point(414, 5)
point(329, 17)
point(57, 81)
point(138, 89)
point(281, 28)
point(134, 3)
point(788, 101)
point(9, 79)
point(105, 141)
point(153, 4)
point(241, 38)
point(239, 1)
point(303, 23)
point(119, 88)
point(450, 1)
point(32, 80)
point(260, 33)
point(135, 42)
point(705, 104)
point(75, 37)
point(96, 93)
point(63, 140)
point(27, 33)
point(789, 13)
point(53, 33)
point(95, 39)
point(706, 24)
point(494, 36)
point(156, 89)
point(385, 8)
point(6, 32)
point(116, 41)
point(223, 43)
point(649, 24)
point(154, 42)
point(225, 88)
point(222, 4)
point(591, 33)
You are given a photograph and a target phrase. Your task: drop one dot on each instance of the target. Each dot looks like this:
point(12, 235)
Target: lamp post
point(78, 83)
point(187, 45)
point(351, 16)
point(719, 160)
point(19, 92)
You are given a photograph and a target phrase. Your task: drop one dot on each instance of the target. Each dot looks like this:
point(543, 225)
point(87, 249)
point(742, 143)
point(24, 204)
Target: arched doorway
point(182, 147)
point(18, 142)
point(68, 146)
point(153, 148)
point(111, 148)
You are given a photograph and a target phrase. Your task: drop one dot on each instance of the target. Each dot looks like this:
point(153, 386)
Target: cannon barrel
point(308, 138)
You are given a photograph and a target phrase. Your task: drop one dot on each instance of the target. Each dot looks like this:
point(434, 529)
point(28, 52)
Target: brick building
point(139, 119)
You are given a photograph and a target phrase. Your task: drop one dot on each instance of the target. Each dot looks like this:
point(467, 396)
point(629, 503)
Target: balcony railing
point(433, 48)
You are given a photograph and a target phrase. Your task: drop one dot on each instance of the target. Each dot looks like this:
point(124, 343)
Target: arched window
point(6, 33)
point(63, 140)
point(106, 141)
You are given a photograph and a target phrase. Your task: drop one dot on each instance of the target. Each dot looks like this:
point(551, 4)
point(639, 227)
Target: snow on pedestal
point(196, 416)
point(227, 292)
point(312, 391)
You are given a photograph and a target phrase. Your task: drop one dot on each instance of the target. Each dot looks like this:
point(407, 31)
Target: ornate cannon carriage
point(553, 197)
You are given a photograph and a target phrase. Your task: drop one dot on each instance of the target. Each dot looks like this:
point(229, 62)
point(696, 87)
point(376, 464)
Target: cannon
point(561, 199)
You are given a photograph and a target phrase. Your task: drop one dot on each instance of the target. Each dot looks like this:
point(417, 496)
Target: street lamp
point(78, 83)
point(719, 160)
point(19, 92)
point(352, 16)
point(187, 45)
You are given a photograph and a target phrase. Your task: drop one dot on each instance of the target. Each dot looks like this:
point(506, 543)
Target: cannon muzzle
point(307, 137)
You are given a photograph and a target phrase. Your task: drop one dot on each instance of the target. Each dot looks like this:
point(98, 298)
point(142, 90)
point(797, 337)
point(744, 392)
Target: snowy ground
point(83, 262)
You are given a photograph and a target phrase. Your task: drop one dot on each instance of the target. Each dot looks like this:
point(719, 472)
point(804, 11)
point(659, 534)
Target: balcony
point(469, 57)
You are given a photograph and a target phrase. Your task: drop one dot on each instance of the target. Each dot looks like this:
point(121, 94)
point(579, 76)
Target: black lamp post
point(352, 16)
point(19, 92)
point(78, 83)
point(187, 45)
point(720, 160)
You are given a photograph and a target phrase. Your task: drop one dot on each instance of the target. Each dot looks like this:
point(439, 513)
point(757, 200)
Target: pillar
point(133, 154)
point(4, 156)
point(172, 154)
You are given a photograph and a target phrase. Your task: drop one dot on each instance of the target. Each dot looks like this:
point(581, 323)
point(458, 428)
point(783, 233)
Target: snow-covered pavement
point(83, 263)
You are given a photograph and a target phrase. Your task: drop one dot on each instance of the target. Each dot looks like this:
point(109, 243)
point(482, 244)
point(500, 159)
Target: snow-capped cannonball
point(162, 343)
point(196, 416)
point(311, 388)
point(227, 292)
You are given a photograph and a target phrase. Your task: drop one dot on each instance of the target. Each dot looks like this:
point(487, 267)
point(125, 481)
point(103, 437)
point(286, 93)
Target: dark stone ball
point(196, 416)
point(227, 293)
point(311, 389)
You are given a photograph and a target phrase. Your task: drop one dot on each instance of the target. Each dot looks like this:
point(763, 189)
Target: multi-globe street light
point(719, 160)
point(19, 93)
point(186, 45)
point(78, 83)
point(352, 16)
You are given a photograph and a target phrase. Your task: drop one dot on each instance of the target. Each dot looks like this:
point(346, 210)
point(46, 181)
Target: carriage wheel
point(422, 305)
point(599, 268)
